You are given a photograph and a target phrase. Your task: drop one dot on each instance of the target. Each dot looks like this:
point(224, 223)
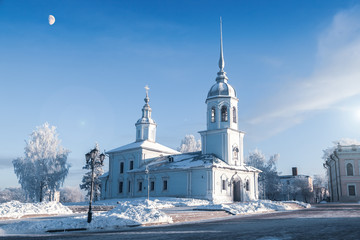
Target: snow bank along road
point(125, 213)
point(327, 221)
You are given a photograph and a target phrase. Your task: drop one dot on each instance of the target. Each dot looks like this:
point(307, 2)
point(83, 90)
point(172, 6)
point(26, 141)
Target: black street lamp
point(93, 159)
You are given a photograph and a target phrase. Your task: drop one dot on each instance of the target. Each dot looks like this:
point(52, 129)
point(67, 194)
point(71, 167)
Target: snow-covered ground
point(254, 206)
point(16, 209)
point(128, 212)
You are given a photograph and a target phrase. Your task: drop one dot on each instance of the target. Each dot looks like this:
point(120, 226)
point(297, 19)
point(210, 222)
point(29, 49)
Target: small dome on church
point(222, 89)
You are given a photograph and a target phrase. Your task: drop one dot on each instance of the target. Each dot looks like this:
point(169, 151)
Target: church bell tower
point(222, 136)
point(146, 126)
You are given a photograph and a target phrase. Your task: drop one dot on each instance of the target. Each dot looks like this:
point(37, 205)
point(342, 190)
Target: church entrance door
point(236, 191)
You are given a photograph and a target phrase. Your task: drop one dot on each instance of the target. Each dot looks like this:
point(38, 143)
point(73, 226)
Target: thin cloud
point(271, 61)
point(336, 77)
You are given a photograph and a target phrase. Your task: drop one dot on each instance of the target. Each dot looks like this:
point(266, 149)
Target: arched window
point(349, 169)
point(223, 184)
point(234, 114)
point(213, 114)
point(224, 114)
point(247, 185)
point(235, 153)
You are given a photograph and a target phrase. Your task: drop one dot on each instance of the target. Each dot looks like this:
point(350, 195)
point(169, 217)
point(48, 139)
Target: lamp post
point(148, 190)
point(93, 159)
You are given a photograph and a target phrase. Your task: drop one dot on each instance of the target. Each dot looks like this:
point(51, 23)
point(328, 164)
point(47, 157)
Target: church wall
point(228, 175)
point(215, 142)
point(195, 183)
point(200, 185)
point(235, 141)
point(179, 184)
point(114, 169)
point(115, 176)
point(222, 143)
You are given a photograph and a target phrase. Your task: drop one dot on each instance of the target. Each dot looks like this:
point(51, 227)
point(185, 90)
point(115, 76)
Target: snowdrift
point(16, 209)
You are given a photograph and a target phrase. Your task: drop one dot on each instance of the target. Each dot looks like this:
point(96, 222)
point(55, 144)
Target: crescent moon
point(51, 19)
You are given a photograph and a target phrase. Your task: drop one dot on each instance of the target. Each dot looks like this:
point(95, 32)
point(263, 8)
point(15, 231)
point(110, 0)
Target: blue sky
point(294, 64)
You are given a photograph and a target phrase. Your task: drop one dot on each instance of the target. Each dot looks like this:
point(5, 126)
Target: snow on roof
point(189, 160)
point(104, 175)
point(145, 144)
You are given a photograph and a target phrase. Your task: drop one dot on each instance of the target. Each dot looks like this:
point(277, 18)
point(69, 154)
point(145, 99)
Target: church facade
point(217, 173)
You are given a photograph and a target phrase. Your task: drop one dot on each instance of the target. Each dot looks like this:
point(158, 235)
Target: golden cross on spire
point(147, 89)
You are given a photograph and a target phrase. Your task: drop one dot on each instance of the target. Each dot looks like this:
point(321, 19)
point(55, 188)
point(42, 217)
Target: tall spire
point(221, 60)
point(146, 126)
point(221, 74)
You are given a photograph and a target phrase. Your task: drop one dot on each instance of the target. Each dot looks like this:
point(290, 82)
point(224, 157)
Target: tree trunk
point(41, 192)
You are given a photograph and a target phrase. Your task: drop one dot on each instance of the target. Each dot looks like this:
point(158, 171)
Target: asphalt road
point(329, 221)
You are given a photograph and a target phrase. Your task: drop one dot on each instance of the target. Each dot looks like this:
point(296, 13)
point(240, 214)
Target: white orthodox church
point(217, 173)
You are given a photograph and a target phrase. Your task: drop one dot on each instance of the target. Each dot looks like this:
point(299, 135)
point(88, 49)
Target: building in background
point(343, 168)
point(296, 187)
point(217, 173)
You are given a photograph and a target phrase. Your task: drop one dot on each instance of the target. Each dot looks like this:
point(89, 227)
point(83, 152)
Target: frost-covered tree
point(299, 189)
point(71, 194)
point(292, 190)
point(86, 181)
point(189, 144)
point(269, 181)
point(305, 190)
point(320, 188)
point(10, 194)
point(44, 168)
